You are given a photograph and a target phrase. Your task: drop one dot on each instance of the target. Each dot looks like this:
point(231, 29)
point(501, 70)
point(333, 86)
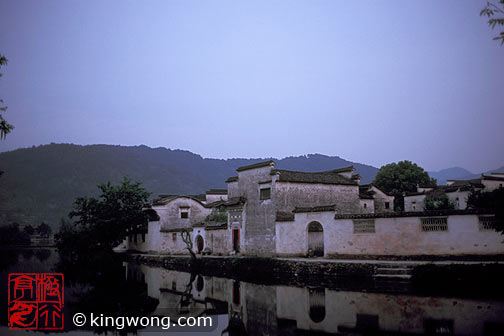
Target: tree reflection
point(99, 286)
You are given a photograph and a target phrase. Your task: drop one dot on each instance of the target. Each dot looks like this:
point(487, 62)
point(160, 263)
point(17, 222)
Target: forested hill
point(41, 183)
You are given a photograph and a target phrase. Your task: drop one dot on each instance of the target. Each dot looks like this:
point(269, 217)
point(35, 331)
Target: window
point(364, 225)
point(438, 327)
point(174, 236)
point(143, 237)
point(264, 193)
point(184, 213)
point(486, 223)
point(434, 224)
point(387, 205)
point(365, 205)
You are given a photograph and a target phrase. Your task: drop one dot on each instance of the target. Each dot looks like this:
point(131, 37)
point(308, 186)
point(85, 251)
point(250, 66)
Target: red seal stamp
point(36, 301)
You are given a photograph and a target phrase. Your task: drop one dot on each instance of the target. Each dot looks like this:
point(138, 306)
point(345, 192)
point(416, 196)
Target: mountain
point(41, 183)
point(454, 173)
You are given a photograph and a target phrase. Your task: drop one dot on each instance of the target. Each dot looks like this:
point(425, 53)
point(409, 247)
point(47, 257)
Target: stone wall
point(259, 231)
point(219, 241)
point(414, 203)
point(289, 195)
point(380, 198)
point(170, 213)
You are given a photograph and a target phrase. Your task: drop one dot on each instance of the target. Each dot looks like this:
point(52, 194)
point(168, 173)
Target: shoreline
point(476, 278)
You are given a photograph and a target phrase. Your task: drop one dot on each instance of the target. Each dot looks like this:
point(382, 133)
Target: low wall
point(393, 235)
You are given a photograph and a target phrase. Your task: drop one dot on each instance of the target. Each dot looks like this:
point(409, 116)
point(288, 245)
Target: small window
point(174, 285)
point(143, 237)
point(174, 236)
point(184, 213)
point(387, 205)
point(438, 327)
point(364, 225)
point(265, 194)
point(486, 223)
point(434, 224)
point(365, 205)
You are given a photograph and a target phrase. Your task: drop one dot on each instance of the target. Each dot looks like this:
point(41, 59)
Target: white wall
point(393, 236)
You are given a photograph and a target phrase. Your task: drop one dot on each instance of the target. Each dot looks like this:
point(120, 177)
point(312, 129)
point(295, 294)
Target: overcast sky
point(370, 81)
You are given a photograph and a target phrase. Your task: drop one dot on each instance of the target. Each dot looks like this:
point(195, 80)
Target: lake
point(110, 286)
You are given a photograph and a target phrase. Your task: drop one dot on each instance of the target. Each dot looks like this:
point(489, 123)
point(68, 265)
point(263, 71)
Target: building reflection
point(254, 309)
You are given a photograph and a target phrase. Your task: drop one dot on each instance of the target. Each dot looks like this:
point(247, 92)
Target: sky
point(370, 81)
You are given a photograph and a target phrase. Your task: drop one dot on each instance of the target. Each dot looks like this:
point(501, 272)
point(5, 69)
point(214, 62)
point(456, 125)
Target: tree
point(5, 127)
point(397, 178)
point(491, 11)
point(12, 235)
point(438, 202)
point(102, 223)
point(186, 238)
point(492, 201)
point(29, 230)
point(43, 229)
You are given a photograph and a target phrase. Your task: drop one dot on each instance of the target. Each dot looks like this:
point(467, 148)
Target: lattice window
point(486, 223)
point(364, 226)
point(434, 224)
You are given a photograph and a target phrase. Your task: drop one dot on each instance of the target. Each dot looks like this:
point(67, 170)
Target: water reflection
point(269, 310)
point(105, 284)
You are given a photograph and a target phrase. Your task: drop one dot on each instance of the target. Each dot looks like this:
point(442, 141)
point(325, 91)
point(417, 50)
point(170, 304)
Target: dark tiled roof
point(152, 215)
point(493, 178)
point(414, 193)
point(327, 177)
point(235, 201)
point(474, 182)
point(217, 192)
point(366, 192)
point(443, 189)
point(365, 196)
point(200, 197)
point(256, 165)
point(282, 216)
point(215, 204)
point(232, 179)
point(432, 213)
point(215, 225)
point(345, 169)
point(368, 188)
point(320, 208)
point(165, 199)
point(176, 229)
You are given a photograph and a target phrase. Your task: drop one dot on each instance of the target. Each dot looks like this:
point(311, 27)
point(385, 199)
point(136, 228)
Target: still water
point(107, 285)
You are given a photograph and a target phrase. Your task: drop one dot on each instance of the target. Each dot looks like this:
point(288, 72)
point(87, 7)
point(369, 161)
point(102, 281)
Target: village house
point(267, 211)
point(457, 191)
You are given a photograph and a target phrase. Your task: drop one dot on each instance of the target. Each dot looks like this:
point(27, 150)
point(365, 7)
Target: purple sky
point(370, 81)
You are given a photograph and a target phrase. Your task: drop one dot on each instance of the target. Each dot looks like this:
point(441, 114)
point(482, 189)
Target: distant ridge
point(41, 183)
point(454, 173)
